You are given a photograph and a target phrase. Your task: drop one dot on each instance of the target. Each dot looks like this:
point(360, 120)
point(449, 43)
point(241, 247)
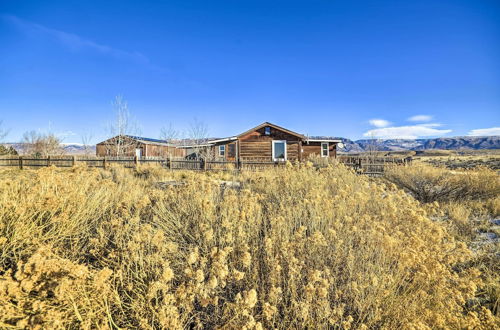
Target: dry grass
point(463, 159)
point(468, 201)
point(297, 247)
point(433, 184)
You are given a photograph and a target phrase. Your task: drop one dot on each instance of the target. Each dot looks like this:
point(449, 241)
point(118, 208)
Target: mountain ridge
point(362, 145)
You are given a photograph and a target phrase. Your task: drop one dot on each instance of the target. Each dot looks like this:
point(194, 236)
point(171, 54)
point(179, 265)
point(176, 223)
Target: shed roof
point(145, 139)
point(141, 139)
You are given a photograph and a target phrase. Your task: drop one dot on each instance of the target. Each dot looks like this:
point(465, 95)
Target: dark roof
point(146, 139)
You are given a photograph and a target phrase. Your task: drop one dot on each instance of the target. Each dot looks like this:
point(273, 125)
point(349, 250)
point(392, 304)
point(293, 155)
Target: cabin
point(267, 142)
point(128, 145)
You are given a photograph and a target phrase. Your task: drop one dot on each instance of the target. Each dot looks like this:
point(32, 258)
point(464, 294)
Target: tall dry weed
point(295, 247)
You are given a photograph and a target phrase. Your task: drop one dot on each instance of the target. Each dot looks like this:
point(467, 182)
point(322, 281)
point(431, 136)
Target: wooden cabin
point(128, 145)
point(268, 142)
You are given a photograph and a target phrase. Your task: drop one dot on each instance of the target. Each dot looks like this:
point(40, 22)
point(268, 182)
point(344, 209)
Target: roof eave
point(232, 138)
point(323, 140)
point(272, 125)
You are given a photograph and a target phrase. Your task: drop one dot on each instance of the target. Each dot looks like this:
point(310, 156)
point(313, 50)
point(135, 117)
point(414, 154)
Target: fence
point(29, 162)
point(363, 165)
point(370, 165)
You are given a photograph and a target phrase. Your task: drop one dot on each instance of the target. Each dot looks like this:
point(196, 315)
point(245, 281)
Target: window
point(267, 130)
point(324, 149)
point(279, 150)
point(222, 150)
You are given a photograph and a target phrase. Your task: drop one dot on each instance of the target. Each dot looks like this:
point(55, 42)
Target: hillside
point(451, 143)
point(350, 146)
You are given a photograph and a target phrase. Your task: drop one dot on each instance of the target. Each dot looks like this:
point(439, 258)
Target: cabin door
point(138, 152)
point(231, 152)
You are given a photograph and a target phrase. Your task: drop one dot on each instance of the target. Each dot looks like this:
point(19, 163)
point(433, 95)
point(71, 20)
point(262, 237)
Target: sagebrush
point(296, 247)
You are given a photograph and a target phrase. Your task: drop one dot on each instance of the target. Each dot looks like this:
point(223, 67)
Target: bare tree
point(42, 145)
point(3, 149)
point(372, 148)
point(86, 142)
point(121, 128)
point(3, 132)
point(198, 137)
point(169, 134)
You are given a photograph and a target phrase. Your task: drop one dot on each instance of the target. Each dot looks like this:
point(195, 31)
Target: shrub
point(429, 184)
point(7, 151)
point(296, 247)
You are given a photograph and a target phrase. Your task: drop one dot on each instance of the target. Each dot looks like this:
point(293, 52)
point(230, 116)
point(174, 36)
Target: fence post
point(202, 164)
point(48, 160)
point(136, 161)
point(169, 165)
point(20, 162)
point(104, 163)
point(73, 161)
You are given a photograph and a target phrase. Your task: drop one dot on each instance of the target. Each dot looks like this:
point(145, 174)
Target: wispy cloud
point(72, 41)
point(406, 132)
point(430, 125)
point(420, 118)
point(485, 131)
point(379, 122)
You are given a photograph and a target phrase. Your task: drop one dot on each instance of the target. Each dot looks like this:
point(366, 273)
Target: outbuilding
point(128, 145)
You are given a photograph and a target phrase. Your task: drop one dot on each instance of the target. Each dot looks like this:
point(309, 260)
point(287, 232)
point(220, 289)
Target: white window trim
point(327, 149)
point(222, 150)
point(272, 155)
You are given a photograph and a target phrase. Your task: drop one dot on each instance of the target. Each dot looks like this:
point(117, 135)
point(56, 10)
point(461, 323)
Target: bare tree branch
point(122, 126)
point(3, 132)
point(198, 136)
point(86, 139)
point(41, 145)
point(169, 134)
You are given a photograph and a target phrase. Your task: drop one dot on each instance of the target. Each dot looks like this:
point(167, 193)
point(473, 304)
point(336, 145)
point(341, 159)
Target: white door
point(138, 152)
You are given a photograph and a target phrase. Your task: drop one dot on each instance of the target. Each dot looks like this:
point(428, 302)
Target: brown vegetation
point(293, 247)
point(41, 145)
point(465, 202)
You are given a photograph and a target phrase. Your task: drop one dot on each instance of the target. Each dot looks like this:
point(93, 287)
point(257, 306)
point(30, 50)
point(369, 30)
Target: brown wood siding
point(228, 155)
point(256, 148)
point(258, 145)
point(100, 150)
point(154, 150)
point(314, 149)
point(108, 149)
point(148, 150)
point(310, 150)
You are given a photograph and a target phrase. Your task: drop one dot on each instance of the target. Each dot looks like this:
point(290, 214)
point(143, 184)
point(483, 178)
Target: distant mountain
point(69, 148)
point(350, 146)
point(78, 149)
point(451, 143)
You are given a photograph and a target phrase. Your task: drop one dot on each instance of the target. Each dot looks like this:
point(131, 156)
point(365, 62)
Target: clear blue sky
point(316, 67)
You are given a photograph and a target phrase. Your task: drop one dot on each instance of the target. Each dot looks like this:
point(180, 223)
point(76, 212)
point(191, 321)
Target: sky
point(354, 69)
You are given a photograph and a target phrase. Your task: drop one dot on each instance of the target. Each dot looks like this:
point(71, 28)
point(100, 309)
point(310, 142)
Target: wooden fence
point(362, 165)
point(370, 165)
point(30, 162)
